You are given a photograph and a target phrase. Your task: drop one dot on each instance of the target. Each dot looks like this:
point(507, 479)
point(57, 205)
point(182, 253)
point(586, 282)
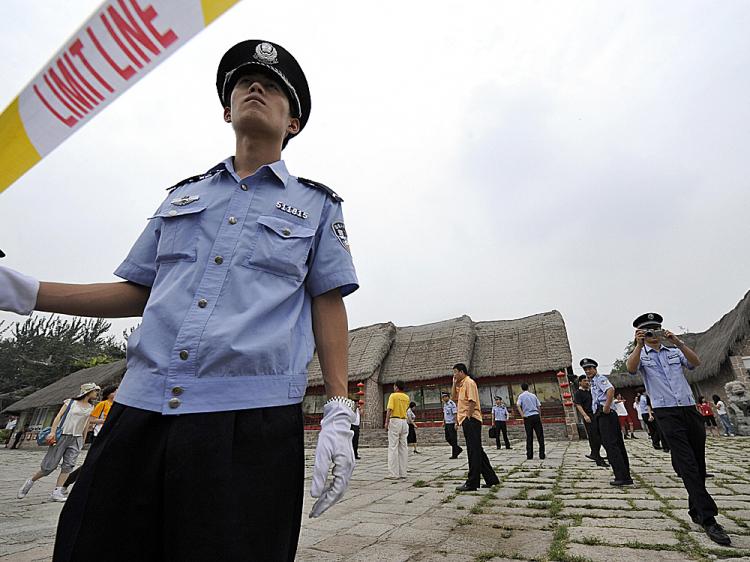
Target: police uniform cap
point(2, 254)
point(274, 60)
point(586, 362)
point(648, 320)
point(444, 394)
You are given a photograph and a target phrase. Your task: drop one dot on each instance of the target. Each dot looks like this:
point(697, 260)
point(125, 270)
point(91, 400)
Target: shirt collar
point(647, 348)
point(277, 169)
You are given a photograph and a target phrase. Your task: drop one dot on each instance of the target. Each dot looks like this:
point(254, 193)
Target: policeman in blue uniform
point(449, 422)
point(607, 424)
point(673, 406)
point(239, 275)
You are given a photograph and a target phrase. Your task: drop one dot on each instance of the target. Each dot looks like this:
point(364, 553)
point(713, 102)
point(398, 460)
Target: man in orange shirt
point(469, 417)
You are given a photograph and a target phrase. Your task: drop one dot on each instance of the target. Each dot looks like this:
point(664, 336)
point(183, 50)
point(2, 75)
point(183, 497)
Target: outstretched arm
point(99, 300)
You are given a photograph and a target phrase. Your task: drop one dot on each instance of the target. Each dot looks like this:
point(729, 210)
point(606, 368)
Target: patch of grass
point(555, 507)
point(522, 494)
point(420, 484)
point(544, 497)
point(737, 521)
point(449, 498)
point(465, 520)
point(591, 541)
point(477, 510)
point(538, 505)
point(631, 503)
point(559, 542)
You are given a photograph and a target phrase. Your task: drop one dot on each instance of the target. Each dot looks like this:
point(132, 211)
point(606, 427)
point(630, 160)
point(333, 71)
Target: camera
point(650, 333)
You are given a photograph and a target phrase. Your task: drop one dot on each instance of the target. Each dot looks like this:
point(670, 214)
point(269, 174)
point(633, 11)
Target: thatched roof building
point(69, 386)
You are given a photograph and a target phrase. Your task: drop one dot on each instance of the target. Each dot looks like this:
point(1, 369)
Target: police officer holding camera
point(674, 408)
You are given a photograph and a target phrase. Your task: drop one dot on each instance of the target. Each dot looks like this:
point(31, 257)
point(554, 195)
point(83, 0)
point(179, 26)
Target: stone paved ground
point(558, 509)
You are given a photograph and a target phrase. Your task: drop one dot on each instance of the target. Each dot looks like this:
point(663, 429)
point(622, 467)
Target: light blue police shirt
point(529, 403)
point(643, 405)
point(663, 377)
point(233, 264)
point(599, 386)
point(449, 411)
point(500, 413)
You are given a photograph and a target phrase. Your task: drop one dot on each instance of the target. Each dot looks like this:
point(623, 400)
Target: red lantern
point(361, 402)
point(566, 395)
point(568, 403)
point(360, 384)
point(564, 384)
point(561, 374)
point(360, 393)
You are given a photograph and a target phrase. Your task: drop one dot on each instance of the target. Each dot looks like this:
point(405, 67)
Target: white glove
point(334, 446)
point(17, 291)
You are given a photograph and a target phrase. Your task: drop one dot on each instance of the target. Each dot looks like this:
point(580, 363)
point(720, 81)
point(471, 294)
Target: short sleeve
point(140, 265)
point(685, 363)
point(390, 403)
point(331, 266)
point(98, 410)
point(472, 395)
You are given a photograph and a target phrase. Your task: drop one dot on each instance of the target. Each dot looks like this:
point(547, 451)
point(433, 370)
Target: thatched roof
point(368, 346)
point(429, 351)
point(713, 346)
point(69, 386)
point(533, 344)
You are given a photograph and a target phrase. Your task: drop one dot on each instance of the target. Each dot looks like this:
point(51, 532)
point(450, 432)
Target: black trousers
point(608, 427)
point(595, 441)
point(654, 432)
point(682, 426)
point(478, 461)
point(188, 488)
point(452, 438)
point(355, 439)
point(501, 426)
point(533, 424)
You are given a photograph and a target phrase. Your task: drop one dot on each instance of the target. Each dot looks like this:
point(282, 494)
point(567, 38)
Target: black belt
point(397, 418)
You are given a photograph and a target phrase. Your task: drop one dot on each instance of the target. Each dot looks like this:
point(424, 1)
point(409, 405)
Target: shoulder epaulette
point(317, 185)
point(212, 172)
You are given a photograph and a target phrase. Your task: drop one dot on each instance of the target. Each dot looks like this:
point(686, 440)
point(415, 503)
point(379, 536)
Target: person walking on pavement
point(449, 424)
point(708, 416)
point(500, 417)
point(239, 277)
point(721, 409)
point(623, 417)
point(582, 400)
point(530, 409)
point(355, 430)
point(469, 417)
point(605, 418)
point(74, 420)
point(411, 417)
point(398, 430)
point(674, 409)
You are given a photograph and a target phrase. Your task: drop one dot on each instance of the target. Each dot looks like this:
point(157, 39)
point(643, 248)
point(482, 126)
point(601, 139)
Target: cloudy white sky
point(497, 159)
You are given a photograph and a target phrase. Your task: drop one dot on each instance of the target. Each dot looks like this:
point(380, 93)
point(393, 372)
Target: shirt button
point(202, 303)
point(219, 260)
point(232, 220)
point(286, 232)
point(184, 354)
point(177, 390)
point(174, 403)
point(243, 187)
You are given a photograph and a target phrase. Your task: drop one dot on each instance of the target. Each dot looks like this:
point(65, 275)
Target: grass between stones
point(420, 484)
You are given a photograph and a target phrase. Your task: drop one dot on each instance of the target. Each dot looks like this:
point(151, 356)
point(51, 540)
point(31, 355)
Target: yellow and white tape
point(122, 42)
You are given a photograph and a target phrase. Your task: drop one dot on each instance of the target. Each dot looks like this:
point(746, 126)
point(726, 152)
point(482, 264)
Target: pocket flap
point(178, 212)
point(285, 228)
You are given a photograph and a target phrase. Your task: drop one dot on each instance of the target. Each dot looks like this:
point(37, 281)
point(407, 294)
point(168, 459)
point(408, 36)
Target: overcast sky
point(497, 159)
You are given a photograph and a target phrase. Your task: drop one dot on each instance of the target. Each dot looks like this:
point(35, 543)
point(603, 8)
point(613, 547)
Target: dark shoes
point(542, 456)
point(632, 436)
point(656, 446)
point(465, 488)
point(460, 450)
point(717, 534)
point(508, 447)
point(602, 463)
point(665, 449)
point(357, 458)
point(621, 483)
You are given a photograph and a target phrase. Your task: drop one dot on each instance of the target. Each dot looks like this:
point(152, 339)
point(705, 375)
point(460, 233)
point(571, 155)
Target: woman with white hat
point(73, 418)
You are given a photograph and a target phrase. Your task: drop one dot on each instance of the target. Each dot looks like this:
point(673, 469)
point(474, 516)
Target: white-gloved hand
point(17, 291)
point(334, 447)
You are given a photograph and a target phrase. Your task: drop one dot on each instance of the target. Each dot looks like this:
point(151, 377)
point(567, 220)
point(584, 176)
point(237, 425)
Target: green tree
point(619, 366)
point(43, 349)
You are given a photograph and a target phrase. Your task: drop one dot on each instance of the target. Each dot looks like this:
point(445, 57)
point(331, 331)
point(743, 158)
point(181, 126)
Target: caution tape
point(122, 42)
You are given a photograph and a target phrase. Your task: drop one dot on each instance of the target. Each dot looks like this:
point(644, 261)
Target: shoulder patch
point(317, 185)
point(212, 172)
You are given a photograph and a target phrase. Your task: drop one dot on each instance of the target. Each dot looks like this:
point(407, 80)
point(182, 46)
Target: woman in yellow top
point(98, 416)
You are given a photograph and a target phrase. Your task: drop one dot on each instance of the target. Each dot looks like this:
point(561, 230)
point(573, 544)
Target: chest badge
point(281, 206)
point(340, 231)
point(185, 200)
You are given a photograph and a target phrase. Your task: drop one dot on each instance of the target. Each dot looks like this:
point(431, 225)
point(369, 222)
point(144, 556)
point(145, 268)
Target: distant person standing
point(721, 409)
point(500, 417)
point(708, 416)
point(398, 429)
point(605, 418)
point(674, 408)
point(466, 394)
point(530, 409)
point(411, 418)
point(449, 423)
point(355, 429)
point(582, 400)
point(623, 417)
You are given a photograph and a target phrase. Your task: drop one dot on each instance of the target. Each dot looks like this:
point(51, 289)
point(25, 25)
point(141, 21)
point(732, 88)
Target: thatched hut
point(37, 410)
point(500, 355)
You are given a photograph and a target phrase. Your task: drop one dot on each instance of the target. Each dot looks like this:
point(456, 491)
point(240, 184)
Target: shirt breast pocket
point(673, 359)
point(179, 234)
point(281, 247)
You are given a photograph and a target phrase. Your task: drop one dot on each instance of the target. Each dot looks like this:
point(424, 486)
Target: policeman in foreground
point(238, 273)
point(449, 422)
point(673, 406)
point(607, 424)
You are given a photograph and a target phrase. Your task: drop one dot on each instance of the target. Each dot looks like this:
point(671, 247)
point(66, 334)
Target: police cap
point(648, 320)
point(273, 59)
point(586, 362)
